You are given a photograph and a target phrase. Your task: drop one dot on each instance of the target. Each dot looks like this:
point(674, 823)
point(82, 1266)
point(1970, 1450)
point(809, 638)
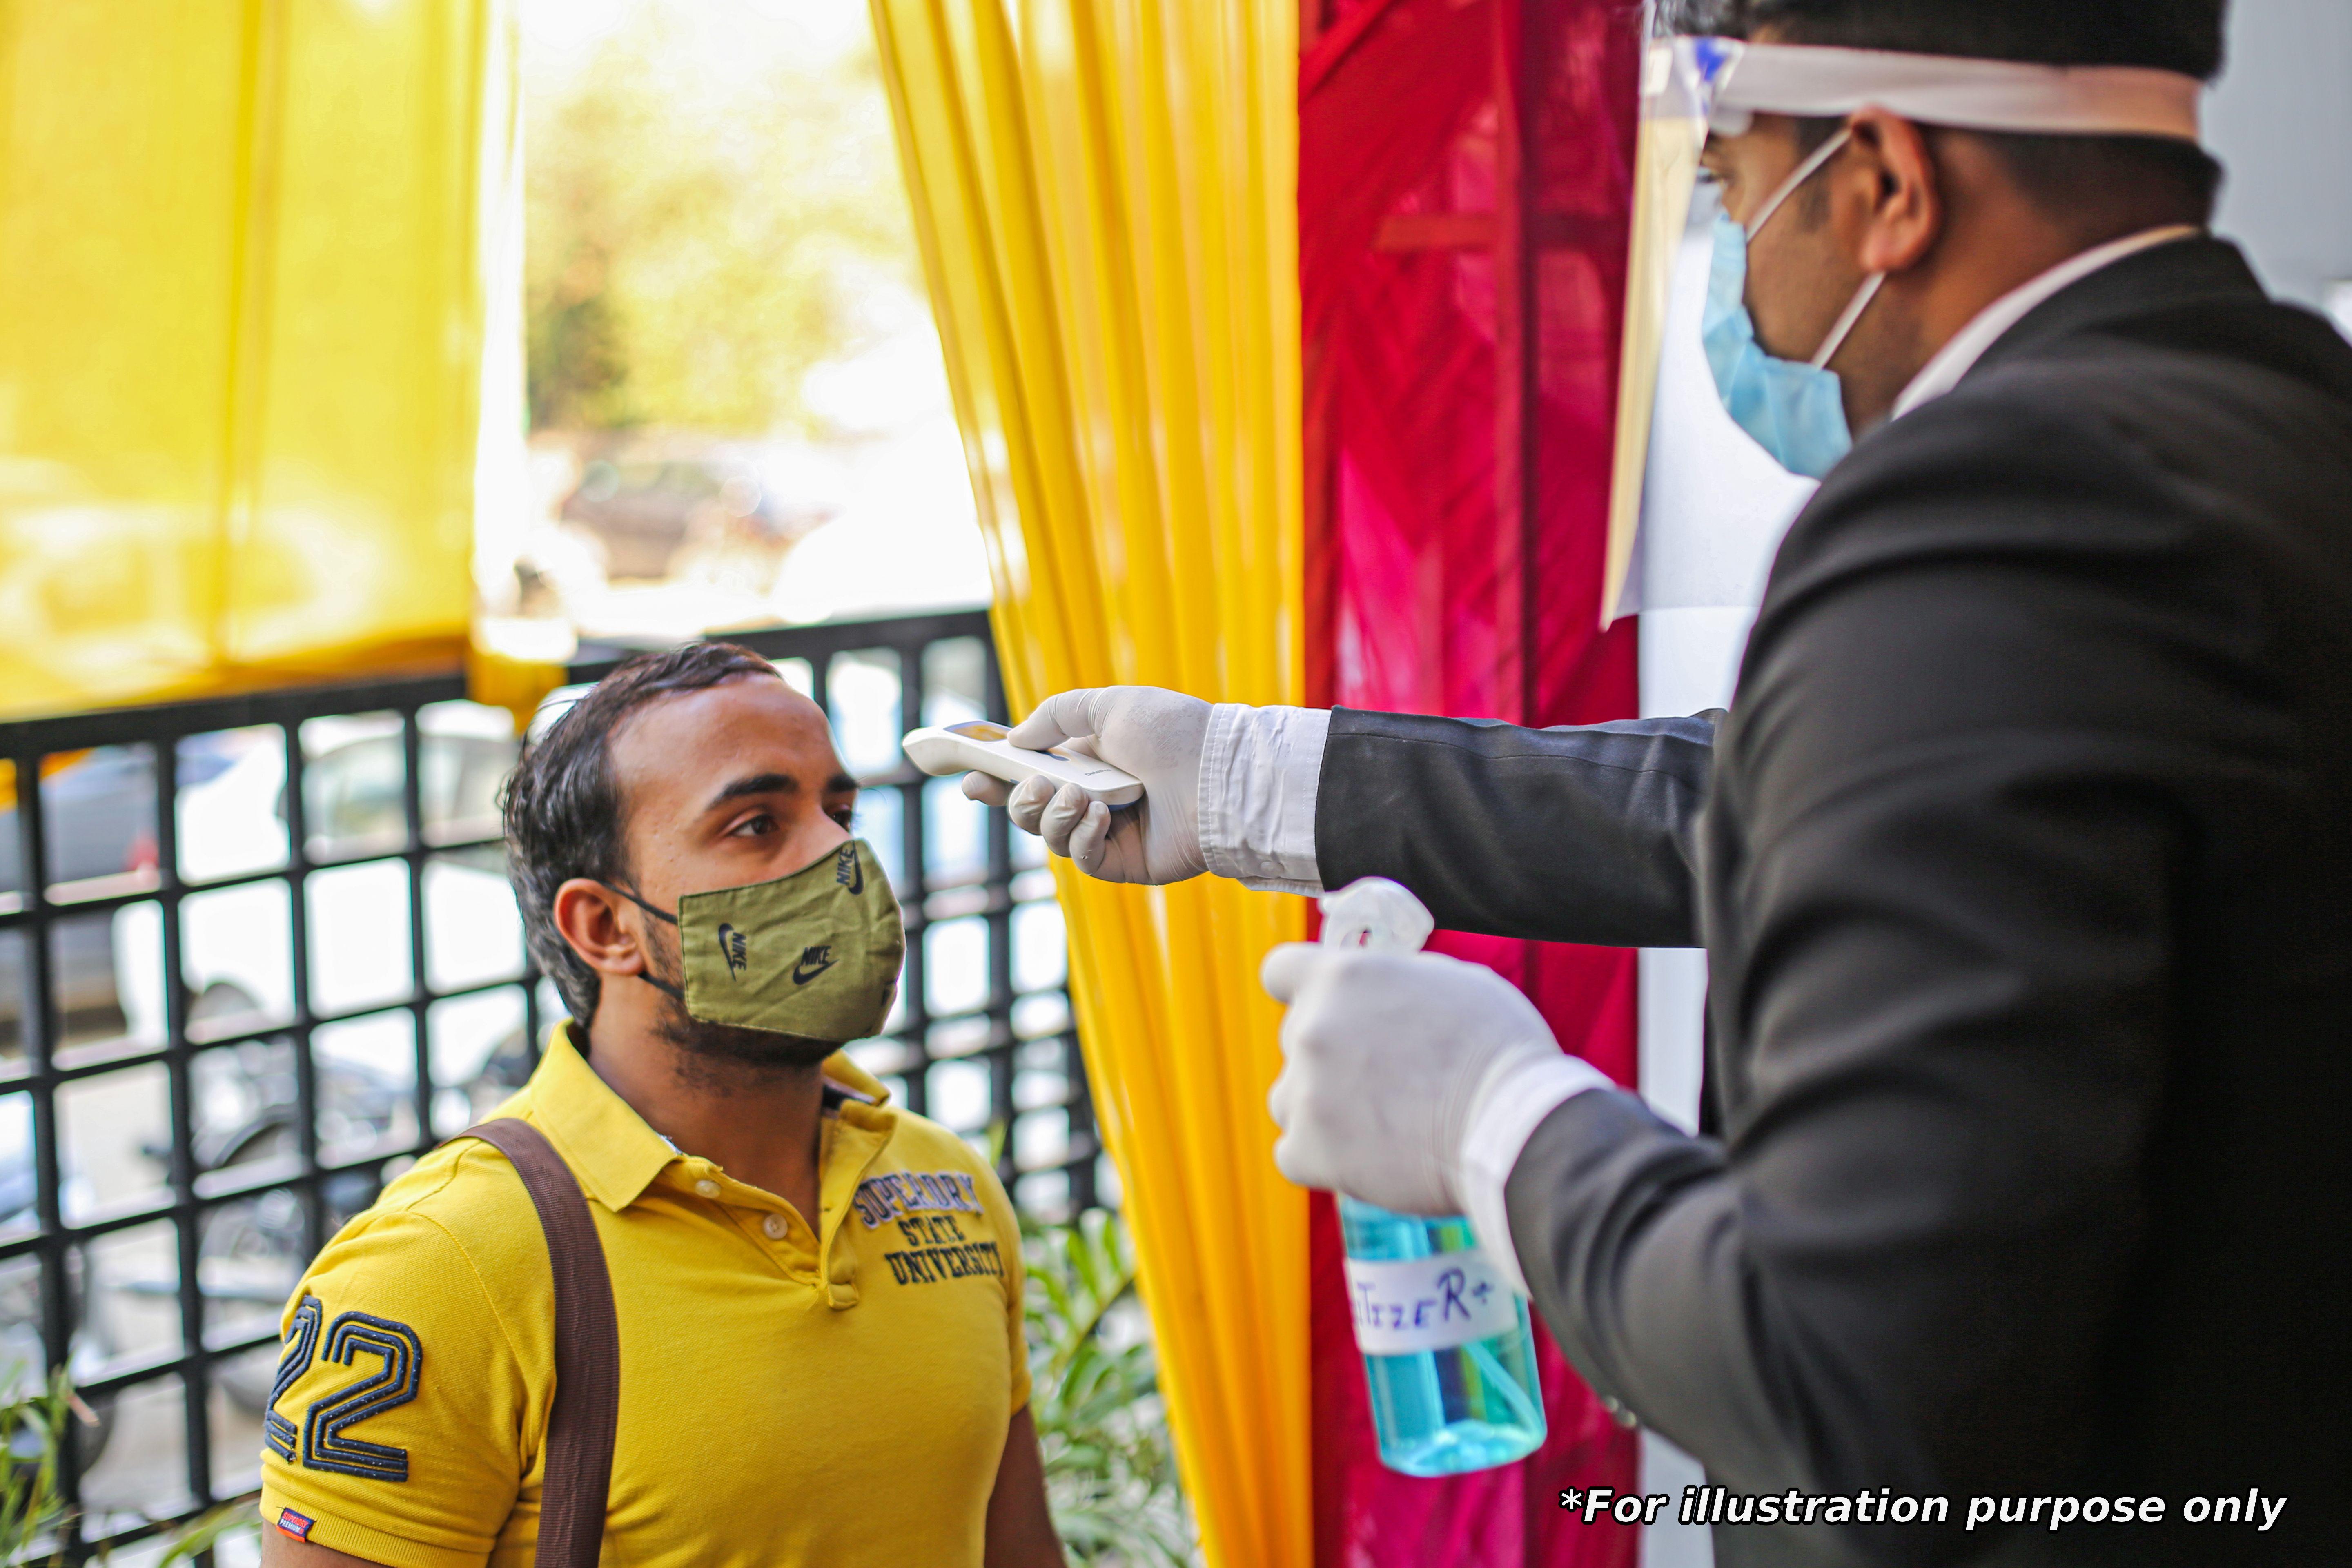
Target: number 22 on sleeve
point(324, 1445)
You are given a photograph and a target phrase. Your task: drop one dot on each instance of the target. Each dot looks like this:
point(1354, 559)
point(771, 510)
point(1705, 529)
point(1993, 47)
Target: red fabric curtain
point(1465, 194)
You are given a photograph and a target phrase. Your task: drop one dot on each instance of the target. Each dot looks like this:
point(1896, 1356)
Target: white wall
point(2281, 122)
point(1713, 509)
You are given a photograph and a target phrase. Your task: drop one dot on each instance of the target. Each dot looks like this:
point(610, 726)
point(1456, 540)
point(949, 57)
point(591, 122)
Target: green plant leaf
point(33, 1429)
point(1110, 1470)
point(208, 1530)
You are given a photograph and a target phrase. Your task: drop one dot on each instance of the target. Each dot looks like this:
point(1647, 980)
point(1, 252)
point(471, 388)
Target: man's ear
point(1901, 207)
point(601, 927)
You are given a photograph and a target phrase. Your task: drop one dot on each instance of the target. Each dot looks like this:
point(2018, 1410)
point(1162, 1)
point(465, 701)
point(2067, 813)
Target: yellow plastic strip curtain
point(241, 300)
point(1104, 191)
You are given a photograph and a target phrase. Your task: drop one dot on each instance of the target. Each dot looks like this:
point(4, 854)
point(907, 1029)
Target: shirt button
point(774, 1226)
point(706, 1187)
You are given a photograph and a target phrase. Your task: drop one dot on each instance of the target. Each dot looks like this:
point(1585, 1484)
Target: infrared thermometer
point(983, 747)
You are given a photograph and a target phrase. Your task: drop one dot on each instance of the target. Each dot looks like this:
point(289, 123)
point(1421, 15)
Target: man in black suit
point(2022, 859)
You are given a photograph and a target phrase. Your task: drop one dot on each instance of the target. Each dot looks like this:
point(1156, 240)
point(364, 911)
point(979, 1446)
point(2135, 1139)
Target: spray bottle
point(1448, 1352)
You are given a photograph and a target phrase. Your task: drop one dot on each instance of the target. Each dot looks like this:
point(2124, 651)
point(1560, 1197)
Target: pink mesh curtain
point(1465, 192)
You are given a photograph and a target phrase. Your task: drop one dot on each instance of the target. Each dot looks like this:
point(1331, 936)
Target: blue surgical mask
point(1796, 412)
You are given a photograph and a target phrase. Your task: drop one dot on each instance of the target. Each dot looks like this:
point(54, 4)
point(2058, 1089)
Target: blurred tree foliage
point(706, 208)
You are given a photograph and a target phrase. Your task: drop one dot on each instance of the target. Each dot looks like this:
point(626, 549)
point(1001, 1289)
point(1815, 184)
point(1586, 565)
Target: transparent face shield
point(1675, 98)
point(1692, 87)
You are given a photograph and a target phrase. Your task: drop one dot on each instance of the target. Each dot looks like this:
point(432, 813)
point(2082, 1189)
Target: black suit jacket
point(2022, 862)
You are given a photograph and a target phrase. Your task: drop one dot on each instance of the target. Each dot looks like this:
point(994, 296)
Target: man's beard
point(720, 1050)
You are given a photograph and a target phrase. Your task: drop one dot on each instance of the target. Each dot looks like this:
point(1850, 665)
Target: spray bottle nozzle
point(1375, 912)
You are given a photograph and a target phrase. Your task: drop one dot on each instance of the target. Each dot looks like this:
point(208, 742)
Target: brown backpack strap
point(587, 1406)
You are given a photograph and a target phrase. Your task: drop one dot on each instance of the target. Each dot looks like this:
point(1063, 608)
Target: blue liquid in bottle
point(1448, 1354)
point(1441, 1412)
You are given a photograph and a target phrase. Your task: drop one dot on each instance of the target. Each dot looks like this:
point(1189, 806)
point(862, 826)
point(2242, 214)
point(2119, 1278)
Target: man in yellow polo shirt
point(818, 1296)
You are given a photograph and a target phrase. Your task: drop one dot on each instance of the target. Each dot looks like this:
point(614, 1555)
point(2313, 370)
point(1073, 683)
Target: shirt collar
point(1956, 358)
point(610, 1147)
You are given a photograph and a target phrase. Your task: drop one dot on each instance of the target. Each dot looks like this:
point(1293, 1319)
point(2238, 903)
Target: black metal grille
point(284, 1107)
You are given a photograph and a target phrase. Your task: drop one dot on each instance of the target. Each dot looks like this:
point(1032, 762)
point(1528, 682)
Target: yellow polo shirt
point(837, 1398)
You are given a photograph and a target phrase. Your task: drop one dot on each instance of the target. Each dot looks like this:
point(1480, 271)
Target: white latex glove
point(1156, 735)
point(1386, 1058)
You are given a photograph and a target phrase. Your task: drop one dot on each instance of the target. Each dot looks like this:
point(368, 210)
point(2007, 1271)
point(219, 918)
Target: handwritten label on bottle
point(1427, 1303)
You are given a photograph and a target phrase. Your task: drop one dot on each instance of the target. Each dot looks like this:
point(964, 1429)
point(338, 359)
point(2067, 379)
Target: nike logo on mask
point(814, 961)
point(848, 872)
point(730, 947)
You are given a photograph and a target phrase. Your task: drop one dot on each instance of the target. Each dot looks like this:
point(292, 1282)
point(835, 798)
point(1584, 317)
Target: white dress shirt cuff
point(1260, 770)
point(1510, 1106)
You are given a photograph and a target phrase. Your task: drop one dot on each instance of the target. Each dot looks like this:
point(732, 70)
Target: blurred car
point(655, 516)
point(22, 1353)
point(100, 811)
point(238, 957)
point(236, 942)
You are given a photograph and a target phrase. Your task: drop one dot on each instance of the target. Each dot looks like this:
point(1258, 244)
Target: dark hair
point(2065, 174)
point(564, 813)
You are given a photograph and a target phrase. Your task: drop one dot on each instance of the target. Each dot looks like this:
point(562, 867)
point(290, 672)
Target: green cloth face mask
point(814, 954)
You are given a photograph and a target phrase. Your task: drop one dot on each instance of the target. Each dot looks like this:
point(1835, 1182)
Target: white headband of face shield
point(1730, 79)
